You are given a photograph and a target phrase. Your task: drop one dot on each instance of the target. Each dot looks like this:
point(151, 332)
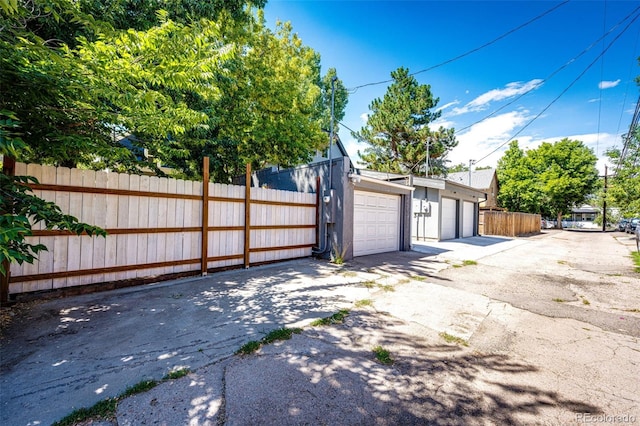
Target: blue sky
point(366, 40)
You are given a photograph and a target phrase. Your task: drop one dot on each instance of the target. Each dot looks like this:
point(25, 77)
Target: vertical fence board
point(153, 222)
point(186, 222)
point(113, 209)
point(100, 219)
point(132, 222)
point(87, 242)
point(178, 248)
point(123, 223)
point(61, 244)
point(163, 203)
point(143, 222)
point(45, 258)
point(75, 209)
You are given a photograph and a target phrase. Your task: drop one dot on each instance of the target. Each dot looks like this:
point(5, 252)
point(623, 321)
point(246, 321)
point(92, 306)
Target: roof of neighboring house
point(380, 175)
point(585, 208)
point(417, 181)
point(479, 178)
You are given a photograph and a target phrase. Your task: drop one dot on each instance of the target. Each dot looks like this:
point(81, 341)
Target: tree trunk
point(559, 226)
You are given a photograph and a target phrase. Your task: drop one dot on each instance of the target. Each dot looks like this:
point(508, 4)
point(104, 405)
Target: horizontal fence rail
point(509, 224)
point(159, 227)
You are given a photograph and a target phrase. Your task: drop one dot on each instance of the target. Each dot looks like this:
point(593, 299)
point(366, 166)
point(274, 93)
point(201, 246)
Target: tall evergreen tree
point(398, 132)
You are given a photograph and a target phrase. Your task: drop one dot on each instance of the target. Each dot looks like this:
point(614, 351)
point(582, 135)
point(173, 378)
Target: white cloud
point(352, 146)
point(450, 104)
point(486, 136)
point(608, 84)
point(441, 122)
point(364, 117)
point(510, 90)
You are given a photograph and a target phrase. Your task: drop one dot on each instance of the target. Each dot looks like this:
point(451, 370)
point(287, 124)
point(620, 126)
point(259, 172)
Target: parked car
point(622, 225)
point(631, 226)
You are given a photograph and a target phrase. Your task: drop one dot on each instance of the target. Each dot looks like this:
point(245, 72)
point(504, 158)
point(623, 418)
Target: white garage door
point(467, 219)
point(376, 219)
point(449, 219)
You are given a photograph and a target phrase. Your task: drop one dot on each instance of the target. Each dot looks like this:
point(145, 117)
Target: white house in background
point(441, 209)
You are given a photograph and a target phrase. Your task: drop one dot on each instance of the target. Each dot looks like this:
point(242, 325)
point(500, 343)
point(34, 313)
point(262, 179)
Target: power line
point(604, 23)
point(632, 128)
point(564, 91)
point(519, 27)
point(550, 76)
point(629, 79)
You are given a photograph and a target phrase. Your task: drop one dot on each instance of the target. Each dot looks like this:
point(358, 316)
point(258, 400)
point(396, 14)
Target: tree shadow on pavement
point(330, 376)
point(407, 263)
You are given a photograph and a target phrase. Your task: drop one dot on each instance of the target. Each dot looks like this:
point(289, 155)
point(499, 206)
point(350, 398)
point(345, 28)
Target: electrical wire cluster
point(632, 17)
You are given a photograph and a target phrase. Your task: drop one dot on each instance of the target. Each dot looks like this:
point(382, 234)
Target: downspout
point(328, 197)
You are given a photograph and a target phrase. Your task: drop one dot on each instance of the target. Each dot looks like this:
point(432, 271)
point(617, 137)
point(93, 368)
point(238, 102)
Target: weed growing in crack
point(450, 338)
point(557, 299)
point(176, 374)
point(249, 347)
point(274, 335)
point(106, 409)
point(382, 355)
point(336, 318)
point(363, 303)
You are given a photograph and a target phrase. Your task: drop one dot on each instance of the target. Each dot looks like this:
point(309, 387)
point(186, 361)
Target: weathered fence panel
point(155, 228)
point(509, 224)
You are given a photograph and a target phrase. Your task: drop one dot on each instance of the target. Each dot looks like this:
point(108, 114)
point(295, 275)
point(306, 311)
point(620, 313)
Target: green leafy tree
point(520, 191)
point(190, 80)
point(624, 182)
point(20, 209)
point(549, 180)
point(341, 98)
point(397, 129)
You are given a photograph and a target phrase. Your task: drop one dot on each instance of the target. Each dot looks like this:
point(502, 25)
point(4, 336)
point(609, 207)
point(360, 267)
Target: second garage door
point(449, 213)
point(468, 219)
point(376, 219)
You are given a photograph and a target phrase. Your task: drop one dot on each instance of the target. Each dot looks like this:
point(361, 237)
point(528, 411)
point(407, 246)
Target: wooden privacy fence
point(508, 224)
point(155, 227)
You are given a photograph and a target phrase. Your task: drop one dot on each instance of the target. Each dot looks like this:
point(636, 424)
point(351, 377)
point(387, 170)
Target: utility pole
point(333, 92)
point(471, 163)
point(604, 202)
point(426, 161)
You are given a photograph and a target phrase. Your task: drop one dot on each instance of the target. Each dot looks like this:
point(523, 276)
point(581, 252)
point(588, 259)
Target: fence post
point(247, 217)
point(8, 168)
point(205, 216)
point(318, 212)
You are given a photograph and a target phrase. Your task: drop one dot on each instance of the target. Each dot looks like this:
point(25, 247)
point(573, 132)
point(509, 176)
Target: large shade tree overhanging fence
point(156, 229)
